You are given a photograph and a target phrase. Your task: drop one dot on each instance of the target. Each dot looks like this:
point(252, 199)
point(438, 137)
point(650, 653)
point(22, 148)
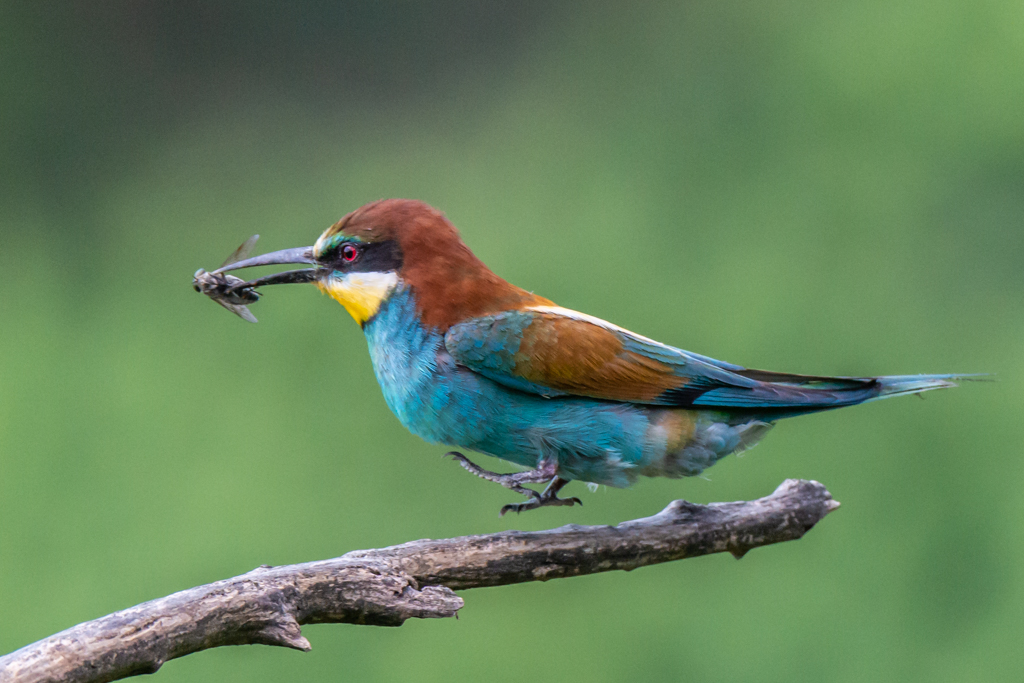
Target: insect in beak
point(234, 293)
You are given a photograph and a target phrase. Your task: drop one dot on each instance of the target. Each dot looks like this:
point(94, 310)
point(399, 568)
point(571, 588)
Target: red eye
point(349, 253)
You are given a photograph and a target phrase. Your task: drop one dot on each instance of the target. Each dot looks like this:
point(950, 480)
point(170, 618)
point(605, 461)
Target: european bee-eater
point(467, 359)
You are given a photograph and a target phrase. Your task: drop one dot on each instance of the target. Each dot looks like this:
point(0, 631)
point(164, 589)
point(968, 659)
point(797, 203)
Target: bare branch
point(387, 586)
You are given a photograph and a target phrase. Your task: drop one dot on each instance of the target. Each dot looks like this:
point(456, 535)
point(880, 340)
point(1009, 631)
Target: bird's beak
point(296, 255)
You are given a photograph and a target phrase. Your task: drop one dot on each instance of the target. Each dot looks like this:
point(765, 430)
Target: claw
point(541, 501)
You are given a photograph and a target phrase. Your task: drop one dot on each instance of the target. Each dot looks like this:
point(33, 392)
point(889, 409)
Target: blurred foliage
point(809, 187)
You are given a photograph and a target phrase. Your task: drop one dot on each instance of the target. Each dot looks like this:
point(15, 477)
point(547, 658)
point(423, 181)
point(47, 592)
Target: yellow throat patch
point(360, 293)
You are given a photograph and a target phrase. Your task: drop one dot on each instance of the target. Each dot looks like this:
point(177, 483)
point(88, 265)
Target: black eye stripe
point(371, 257)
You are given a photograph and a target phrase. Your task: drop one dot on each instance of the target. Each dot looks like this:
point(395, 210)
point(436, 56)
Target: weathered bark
point(387, 586)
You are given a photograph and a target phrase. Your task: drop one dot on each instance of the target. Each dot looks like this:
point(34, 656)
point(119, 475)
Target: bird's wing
point(553, 351)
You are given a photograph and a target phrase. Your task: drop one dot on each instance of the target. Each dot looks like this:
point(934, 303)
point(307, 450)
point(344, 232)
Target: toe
point(514, 507)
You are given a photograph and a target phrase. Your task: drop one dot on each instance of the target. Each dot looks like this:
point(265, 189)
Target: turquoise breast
point(442, 402)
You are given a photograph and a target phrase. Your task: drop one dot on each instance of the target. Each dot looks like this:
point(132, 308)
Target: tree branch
point(387, 586)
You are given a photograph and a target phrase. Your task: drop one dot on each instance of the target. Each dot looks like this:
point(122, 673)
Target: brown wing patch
point(579, 357)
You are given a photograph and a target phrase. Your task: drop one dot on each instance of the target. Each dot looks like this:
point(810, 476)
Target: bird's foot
point(515, 482)
point(549, 497)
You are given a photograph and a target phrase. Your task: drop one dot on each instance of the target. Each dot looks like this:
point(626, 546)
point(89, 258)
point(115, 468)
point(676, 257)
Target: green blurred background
point(829, 188)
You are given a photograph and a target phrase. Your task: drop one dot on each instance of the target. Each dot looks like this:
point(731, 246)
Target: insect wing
point(241, 310)
point(243, 251)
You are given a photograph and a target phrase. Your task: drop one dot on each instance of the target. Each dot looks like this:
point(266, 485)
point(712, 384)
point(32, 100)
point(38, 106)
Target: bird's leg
point(549, 497)
point(515, 482)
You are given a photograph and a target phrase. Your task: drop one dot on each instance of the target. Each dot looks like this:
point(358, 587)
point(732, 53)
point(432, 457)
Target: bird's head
point(389, 245)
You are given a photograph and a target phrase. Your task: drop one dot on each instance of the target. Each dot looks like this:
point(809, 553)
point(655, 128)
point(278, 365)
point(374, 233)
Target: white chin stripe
point(371, 282)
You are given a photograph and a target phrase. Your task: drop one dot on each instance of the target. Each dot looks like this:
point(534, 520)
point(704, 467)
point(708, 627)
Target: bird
point(466, 359)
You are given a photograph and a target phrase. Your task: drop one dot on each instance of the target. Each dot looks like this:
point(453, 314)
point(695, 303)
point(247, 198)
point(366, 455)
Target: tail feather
point(898, 385)
point(784, 395)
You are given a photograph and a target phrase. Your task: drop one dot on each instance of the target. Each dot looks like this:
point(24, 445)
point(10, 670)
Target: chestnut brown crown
point(449, 282)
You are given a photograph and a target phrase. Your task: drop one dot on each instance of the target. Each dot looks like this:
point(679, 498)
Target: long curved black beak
point(296, 255)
